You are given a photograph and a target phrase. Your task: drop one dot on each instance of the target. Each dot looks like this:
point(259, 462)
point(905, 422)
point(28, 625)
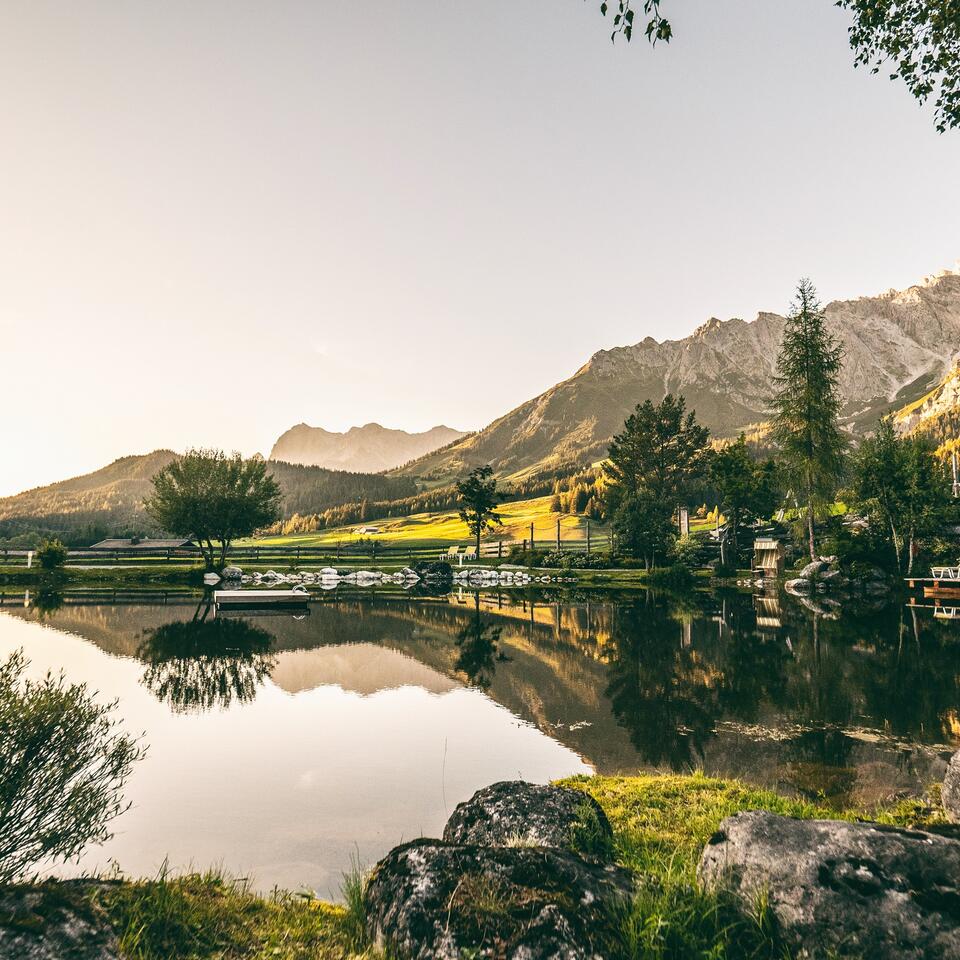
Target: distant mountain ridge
point(898, 345)
point(367, 449)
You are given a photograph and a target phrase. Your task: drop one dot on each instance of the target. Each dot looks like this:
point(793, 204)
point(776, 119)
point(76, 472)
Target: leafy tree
point(925, 494)
point(920, 39)
point(63, 768)
point(212, 497)
point(653, 466)
point(661, 452)
point(52, 554)
point(479, 500)
point(808, 404)
point(878, 482)
point(644, 526)
point(746, 487)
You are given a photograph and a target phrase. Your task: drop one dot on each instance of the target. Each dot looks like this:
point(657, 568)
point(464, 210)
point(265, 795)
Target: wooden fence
point(373, 550)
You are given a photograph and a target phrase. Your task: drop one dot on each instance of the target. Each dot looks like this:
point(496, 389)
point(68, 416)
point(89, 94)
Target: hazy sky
point(219, 219)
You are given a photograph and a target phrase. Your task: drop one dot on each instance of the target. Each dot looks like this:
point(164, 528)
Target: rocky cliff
point(898, 345)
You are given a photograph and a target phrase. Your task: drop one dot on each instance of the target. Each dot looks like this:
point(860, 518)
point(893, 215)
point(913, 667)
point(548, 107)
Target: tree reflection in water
point(479, 649)
point(674, 673)
point(199, 664)
point(656, 688)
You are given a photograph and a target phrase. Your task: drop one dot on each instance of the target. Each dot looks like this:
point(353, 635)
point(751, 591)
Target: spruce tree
point(807, 405)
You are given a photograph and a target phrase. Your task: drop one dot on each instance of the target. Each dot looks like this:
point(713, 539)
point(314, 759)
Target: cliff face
point(367, 449)
point(937, 413)
point(897, 346)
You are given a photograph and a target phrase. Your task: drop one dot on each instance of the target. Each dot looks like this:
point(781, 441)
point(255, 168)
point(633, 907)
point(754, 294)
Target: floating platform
point(260, 599)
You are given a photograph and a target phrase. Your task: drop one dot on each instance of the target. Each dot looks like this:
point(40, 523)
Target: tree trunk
point(478, 544)
point(813, 550)
point(896, 546)
point(910, 554)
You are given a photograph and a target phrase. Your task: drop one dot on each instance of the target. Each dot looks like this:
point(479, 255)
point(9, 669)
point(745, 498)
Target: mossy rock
point(520, 814)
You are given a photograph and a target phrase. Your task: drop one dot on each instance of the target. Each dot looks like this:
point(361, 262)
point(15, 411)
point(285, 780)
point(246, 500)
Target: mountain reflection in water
point(856, 706)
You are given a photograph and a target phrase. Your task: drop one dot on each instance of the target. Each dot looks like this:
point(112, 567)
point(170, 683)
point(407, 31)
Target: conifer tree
point(808, 403)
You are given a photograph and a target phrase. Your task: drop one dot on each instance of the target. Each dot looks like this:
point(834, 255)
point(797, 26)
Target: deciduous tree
point(917, 40)
point(214, 498)
point(479, 499)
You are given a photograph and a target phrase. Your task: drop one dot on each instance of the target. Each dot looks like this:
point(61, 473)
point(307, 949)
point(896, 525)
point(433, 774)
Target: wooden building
point(768, 557)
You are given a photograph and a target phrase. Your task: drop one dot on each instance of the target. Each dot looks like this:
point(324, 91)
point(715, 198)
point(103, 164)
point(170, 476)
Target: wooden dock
point(943, 583)
point(259, 599)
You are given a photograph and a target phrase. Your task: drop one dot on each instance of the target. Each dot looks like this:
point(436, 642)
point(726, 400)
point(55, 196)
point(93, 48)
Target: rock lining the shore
point(55, 920)
point(950, 791)
point(507, 881)
point(430, 900)
point(516, 812)
point(842, 889)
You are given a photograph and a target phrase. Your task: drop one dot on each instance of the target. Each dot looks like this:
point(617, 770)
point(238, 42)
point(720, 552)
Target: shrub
point(575, 561)
point(51, 554)
point(686, 551)
point(64, 765)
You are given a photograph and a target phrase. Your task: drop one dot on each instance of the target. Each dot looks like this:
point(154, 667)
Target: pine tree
point(808, 404)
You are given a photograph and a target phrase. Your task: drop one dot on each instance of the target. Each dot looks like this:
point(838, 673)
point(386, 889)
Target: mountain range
point(900, 349)
point(897, 347)
point(367, 449)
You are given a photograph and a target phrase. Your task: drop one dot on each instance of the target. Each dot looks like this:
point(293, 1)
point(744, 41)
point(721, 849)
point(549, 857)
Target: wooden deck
point(943, 587)
point(252, 599)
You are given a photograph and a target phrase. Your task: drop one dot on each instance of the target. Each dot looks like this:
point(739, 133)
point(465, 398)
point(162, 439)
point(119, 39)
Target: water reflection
point(853, 703)
point(195, 665)
point(478, 644)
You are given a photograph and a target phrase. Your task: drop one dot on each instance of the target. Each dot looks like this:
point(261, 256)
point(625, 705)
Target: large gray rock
point(429, 899)
point(54, 921)
point(513, 812)
point(950, 792)
point(843, 889)
point(813, 568)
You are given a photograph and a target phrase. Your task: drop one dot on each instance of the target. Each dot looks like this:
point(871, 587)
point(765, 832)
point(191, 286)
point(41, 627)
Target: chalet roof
point(128, 543)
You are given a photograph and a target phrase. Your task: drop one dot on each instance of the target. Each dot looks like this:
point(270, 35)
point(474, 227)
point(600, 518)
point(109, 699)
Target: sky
point(218, 220)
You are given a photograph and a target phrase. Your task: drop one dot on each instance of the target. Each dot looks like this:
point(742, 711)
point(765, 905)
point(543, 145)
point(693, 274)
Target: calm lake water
point(281, 747)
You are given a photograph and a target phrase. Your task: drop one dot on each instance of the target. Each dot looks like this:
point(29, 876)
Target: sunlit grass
point(446, 527)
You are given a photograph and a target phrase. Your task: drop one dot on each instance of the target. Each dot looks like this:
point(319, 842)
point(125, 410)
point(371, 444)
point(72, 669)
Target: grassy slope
point(660, 823)
point(430, 529)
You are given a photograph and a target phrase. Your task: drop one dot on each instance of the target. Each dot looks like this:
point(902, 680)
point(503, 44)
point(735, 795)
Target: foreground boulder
point(54, 921)
point(842, 889)
point(516, 813)
point(430, 899)
point(950, 792)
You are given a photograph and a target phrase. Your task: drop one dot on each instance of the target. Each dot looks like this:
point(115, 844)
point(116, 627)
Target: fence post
point(500, 549)
point(531, 537)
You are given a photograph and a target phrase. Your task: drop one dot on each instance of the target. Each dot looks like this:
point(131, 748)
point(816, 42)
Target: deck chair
point(451, 555)
point(470, 553)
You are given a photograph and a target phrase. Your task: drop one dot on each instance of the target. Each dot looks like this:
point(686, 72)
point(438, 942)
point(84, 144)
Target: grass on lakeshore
point(660, 824)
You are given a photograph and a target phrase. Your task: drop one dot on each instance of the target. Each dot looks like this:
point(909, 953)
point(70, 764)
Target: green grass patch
point(661, 824)
point(209, 917)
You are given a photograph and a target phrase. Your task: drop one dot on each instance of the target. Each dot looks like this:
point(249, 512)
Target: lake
point(282, 747)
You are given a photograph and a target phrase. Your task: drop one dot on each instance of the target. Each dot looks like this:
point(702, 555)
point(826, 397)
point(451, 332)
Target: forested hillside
point(109, 501)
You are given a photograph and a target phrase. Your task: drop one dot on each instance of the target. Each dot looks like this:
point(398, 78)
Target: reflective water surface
point(281, 747)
